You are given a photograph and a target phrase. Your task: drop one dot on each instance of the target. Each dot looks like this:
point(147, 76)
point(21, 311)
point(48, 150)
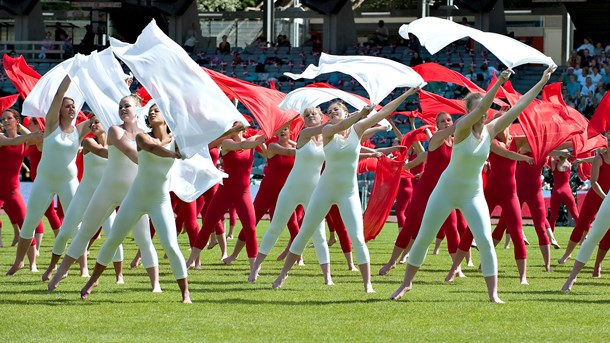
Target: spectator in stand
point(588, 89)
point(282, 41)
point(189, 43)
point(413, 43)
point(488, 74)
point(59, 31)
point(46, 46)
point(600, 91)
point(574, 59)
point(573, 87)
point(382, 33)
point(585, 58)
point(224, 47)
point(88, 43)
point(605, 71)
point(582, 76)
point(598, 49)
point(416, 59)
point(603, 57)
point(595, 75)
point(587, 45)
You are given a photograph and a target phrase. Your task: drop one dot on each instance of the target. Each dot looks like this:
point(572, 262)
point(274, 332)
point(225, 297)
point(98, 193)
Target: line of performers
point(308, 178)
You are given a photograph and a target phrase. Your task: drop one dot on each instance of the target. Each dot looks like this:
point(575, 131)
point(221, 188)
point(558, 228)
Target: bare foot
point(469, 263)
point(46, 276)
point(400, 292)
point(332, 241)
point(386, 268)
point(15, 241)
point(230, 236)
point(33, 268)
point(369, 288)
point(279, 282)
point(212, 244)
point(496, 300)
point(564, 259)
point(460, 273)
point(329, 282)
point(548, 269)
point(597, 273)
point(84, 273)
point(524, 281)
point(15, 268)
point(229, 260)
point(403, 258)
point(186, 298)
point(300, 261)
point(157, 288)
point(526, 241)
point(120, 280)
point(134, 264)
point(567, 287)
point(254, 272)
point(436, 251)
point(86, 291)
point(352, 268)
point(555, 244)
point(450, 276)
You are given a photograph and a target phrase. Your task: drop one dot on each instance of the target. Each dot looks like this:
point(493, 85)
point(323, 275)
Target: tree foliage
point(224, 5)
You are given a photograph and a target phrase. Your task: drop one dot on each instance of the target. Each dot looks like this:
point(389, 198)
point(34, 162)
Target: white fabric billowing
point(99, 77)
point(435, 34)
point(40, 98)
point(195, 108)
point(379, 76)
point(192, 177)
point(302, 98)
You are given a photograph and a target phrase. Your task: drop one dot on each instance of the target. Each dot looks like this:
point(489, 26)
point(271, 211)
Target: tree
point(224, 5)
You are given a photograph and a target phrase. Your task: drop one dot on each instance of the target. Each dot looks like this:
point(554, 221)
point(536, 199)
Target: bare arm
point(464, 125)
point(83, 128)
point(388, 109)
point(499, 149)
point(116, 137)
point(91, 145)
point(6, 141)
point(329, 130)
point(52, 118)
point(421, 158)
point(391, 149)
point(396, 131)
point(144, 142)
point(368, 133)
point(440, 136)
point(216, 143)
point(250, 143)
point(509, 117)
point(306, 134)
point(597, 163)
point(277, 149)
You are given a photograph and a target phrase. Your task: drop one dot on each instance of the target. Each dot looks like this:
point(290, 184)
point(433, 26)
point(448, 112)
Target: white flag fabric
point(195, 108)
point(99, 77)
point(302, 98)
point(379, 76)
point(192, 177)
point(436, 33)
point(39, 100)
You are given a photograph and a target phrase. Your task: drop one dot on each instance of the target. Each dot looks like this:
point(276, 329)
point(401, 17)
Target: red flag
point(262, 102)
point(8, 101)
point(417, 135)
point(546, 126)
point(367, 165)
point(432, 72)
point(143, 93)
point(21, 75)
point(599, 121)
point(385, 188)
point(432, 104)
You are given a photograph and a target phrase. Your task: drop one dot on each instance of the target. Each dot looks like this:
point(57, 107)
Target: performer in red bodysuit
point(562, 192)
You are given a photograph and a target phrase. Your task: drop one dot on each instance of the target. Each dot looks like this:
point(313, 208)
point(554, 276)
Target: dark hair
point(147, 122)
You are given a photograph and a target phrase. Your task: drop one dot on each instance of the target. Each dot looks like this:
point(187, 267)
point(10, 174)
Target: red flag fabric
point(417, 135)
point(262, 102)
point(8, 101)
point(143, 93)
point(367, 165)
point(546, 126)
point(600, 120)
point(431, 104)
point(383, 194)
point(433, 72)
point(21, 75)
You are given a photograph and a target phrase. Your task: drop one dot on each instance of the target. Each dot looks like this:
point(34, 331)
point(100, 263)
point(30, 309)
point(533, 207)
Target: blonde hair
point(135, 97)
point(315, 110)
point(471, 99)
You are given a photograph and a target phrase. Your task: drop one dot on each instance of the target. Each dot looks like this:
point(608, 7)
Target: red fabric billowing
point(516, 130)
point(8, 101)
point(262, 102)
point(385, 188)
point(143, 93)
point(431, 104)
point(600, 120)
point(23, 77)
point(546, 126)
point(367, 165)
point(295, 128)
point(584, 171)
point(433, 72)
point(417, 135)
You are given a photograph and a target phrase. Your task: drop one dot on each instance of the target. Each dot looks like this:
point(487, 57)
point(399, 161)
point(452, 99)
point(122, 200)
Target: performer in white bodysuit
point(149, 194)
point(338, 184)
point(297, 190)
point(116, 180)
point(57, 168)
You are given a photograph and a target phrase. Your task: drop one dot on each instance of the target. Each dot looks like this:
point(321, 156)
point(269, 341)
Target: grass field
point(227, 308)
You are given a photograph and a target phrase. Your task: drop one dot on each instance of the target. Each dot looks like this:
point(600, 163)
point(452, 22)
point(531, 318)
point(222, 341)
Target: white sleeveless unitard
point(460, 187)
point(94, 168)
point(56, 175)
point(297, 190)
point(118, 176)
point(338, 185)
point(149, 194)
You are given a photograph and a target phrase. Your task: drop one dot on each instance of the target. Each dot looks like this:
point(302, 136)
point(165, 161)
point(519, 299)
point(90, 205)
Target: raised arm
point(83, 128)
point(464, 125)
point(52, 118)
point(396, 131)
point(308, 132)
point(330, 130)
point(440, 136)
point(216, 143)
point(6, 141)
point(116, 137)
point(91, 145)
point(144, 142)
point(387, 110)
point(370, 132)
point(509, 117)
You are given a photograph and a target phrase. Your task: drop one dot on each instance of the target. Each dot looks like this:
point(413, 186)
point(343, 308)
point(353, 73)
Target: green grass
point(227, 308)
